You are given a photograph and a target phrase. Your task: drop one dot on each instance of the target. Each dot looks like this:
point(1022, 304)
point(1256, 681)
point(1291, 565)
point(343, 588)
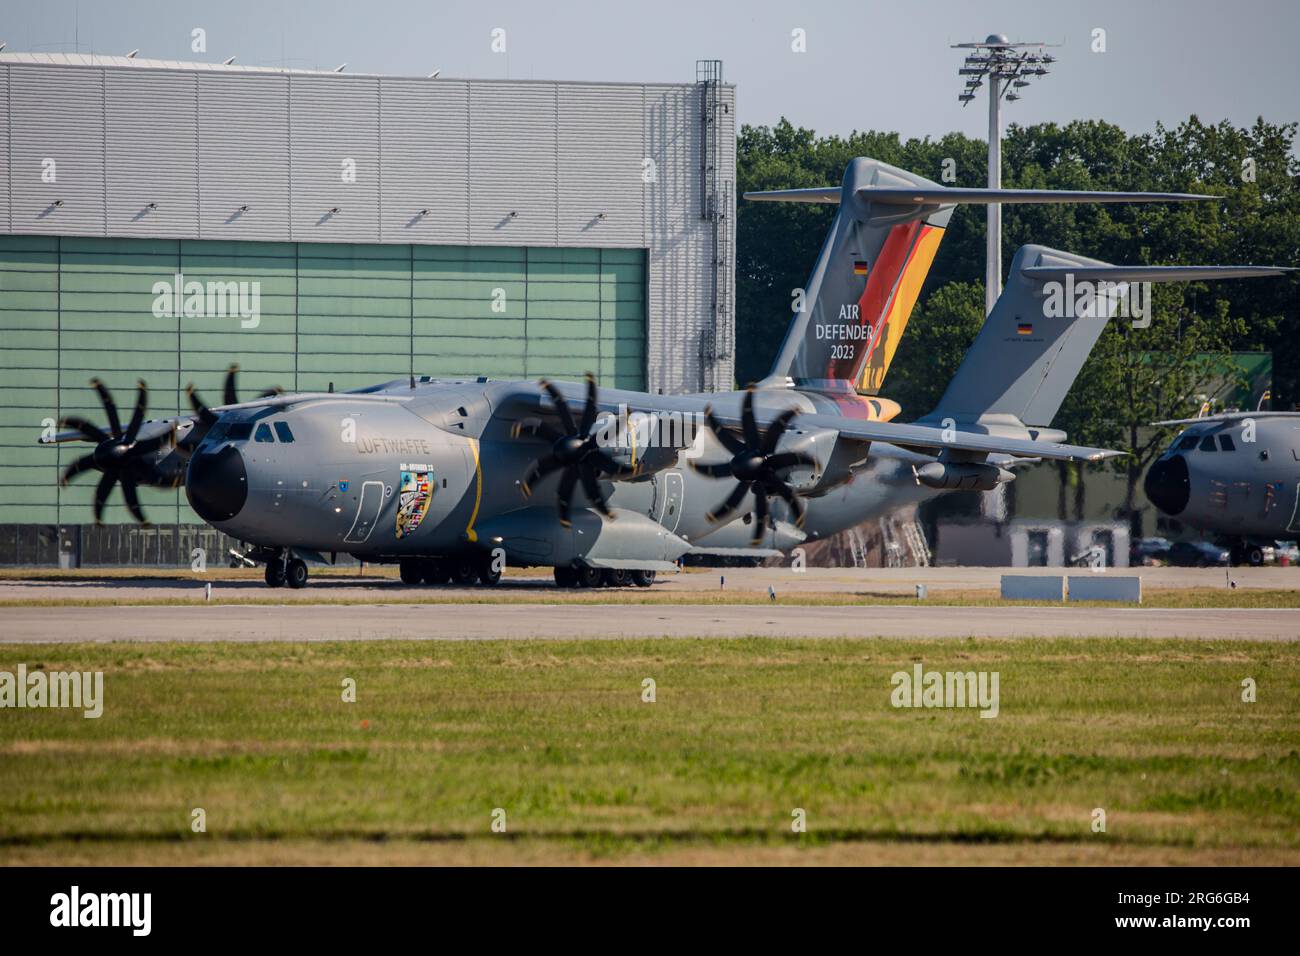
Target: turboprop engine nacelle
point(962, 476)
point(650, 442)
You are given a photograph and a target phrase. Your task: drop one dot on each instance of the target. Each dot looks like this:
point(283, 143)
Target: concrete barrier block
point(1033, 587)
point(1105, 587)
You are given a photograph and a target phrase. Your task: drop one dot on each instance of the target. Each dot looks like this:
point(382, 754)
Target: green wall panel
point(350, 315)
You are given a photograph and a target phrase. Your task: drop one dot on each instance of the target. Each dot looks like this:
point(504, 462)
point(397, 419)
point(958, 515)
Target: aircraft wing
point(919, 438)
point(932, 441)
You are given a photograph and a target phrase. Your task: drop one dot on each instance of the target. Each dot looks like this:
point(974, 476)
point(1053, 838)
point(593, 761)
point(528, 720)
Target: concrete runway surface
point(380, 586)
point(375, 610)
point(300, 622)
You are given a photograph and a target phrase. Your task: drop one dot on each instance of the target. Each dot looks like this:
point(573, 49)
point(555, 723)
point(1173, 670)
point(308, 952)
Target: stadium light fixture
point(1007, 66)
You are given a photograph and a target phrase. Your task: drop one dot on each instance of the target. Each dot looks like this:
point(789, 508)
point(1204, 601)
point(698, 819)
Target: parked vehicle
point(1197, 554)
point(1148, 551)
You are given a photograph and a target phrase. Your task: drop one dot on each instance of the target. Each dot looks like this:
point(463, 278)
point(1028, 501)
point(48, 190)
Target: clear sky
point(868, 65)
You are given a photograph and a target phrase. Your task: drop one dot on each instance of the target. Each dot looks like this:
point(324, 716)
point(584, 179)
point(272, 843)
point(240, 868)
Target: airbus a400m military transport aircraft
point(1237, 475)
point(453, 478)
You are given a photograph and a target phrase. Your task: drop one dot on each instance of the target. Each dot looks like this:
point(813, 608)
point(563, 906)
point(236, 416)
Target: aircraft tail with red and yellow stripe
point(851, 316)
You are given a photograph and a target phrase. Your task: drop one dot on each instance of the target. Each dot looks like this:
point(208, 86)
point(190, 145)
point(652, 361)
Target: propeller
point(574, 452)
point(754, 464)
point(119, 453)
point(229, 396)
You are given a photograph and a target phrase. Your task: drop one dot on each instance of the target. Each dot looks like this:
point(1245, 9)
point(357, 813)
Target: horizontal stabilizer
point(944, 196)
point(1228, 417)
point(949, 195)
point(1149, 273)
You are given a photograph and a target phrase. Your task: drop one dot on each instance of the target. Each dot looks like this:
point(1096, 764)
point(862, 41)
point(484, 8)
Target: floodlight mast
point(1007, 67)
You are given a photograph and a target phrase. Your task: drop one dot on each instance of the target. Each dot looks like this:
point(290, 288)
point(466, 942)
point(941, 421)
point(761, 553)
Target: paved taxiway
point(300, 622)
point(374, 608)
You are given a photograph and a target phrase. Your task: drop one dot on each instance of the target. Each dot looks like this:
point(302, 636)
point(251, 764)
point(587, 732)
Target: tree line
point(1135, 375)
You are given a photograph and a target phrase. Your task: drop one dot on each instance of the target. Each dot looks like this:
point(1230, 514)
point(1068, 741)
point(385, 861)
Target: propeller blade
point(791, 499)
point(137, 416)
point(84, 463)
point(722, 470)
point(727, 437)
point(536, 472)
point(110, 406)
point(270, 392)
point(229, 394)
point(731, 504)
point(589, 410)
point(102, 490)
point(567, 481)
point(760, 516)
point(153, 444)
point(747, 419)
point(788, 459)
point(206, 415)
point(561, 406)
point(88, 431)
point(777, 429)
point(591, 487)
point(132, 501)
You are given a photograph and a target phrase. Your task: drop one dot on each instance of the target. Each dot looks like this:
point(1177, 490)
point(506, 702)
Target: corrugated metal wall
point(243, 157)
point(351, 314)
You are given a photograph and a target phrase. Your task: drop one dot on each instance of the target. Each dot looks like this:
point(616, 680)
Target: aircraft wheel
point(435, 571)
point(643, 579)
point(614, 578)
point(410, 570)
point(565, 577)
point(274, 573)
point(295, 573)
point(589, 577)
point(464, 572)
point(1255, 556)
point(488, 572)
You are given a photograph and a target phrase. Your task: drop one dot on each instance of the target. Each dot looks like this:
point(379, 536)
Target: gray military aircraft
point(452, 479)
point(1236, 475)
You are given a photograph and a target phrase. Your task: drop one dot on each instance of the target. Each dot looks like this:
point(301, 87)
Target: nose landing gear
point(284, 569)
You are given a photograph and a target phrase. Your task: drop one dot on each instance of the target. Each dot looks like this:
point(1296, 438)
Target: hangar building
point(338, 228)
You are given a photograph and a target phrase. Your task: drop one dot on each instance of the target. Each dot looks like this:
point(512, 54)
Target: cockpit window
point(263, 433)
point(282, 432)
point(1187, 443)
point(1207, 443)
point(217, 431)
point(239, 431)
point(1225, 442)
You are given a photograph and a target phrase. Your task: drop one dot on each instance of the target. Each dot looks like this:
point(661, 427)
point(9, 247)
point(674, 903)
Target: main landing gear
point(588, 577)
point(461, 571)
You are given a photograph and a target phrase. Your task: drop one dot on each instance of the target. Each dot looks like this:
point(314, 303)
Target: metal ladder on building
point(857, 547)
point(914, 534)
point(715, 207)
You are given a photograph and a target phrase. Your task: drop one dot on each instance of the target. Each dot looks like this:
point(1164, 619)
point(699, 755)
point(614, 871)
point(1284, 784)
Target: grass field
point(742, 733)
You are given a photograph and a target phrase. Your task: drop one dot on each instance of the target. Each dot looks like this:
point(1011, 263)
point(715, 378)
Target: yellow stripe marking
point(478, 491)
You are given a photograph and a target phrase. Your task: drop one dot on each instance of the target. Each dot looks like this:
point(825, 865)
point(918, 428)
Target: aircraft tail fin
point(872, 266)
point(1043, 327)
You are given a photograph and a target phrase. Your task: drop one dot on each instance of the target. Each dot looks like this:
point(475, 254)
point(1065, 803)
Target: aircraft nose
point(1168, 485)
point(217, 484)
